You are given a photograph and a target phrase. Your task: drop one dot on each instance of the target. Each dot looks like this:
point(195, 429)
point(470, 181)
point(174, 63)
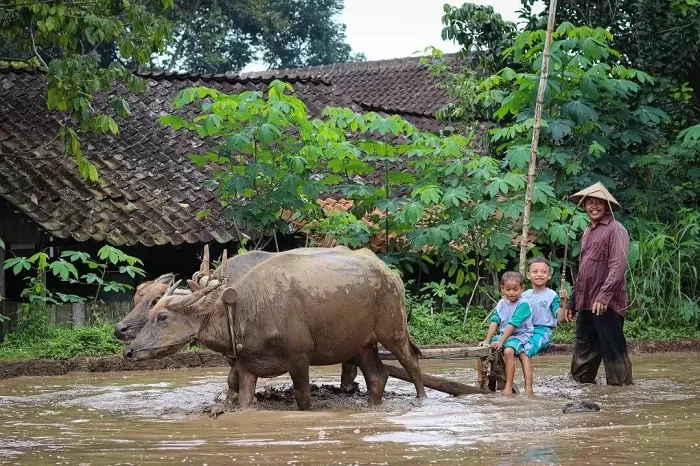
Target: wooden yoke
point(229, 297)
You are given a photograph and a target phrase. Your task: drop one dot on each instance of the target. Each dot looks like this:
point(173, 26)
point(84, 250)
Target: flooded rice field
point(158, 417)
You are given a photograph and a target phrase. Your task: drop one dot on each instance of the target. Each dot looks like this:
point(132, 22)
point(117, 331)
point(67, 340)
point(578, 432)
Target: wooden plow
point(489, 364)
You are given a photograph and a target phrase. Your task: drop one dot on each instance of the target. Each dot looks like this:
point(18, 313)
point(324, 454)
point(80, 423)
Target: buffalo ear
point(193, 285)
point(140, 286)
point(230, 295)
point(167, 279)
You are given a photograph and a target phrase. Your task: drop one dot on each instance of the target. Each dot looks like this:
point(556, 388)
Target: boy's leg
point(509, 358)
point(527, 372)
point(541, 337)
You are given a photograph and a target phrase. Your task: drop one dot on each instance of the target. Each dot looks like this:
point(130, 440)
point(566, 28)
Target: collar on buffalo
point(205, 322)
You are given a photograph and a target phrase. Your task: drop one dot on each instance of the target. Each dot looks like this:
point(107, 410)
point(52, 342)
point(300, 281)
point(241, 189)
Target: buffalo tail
point(415, 348)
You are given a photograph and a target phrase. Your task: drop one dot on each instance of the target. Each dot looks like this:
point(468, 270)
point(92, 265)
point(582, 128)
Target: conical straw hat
point(599, 192)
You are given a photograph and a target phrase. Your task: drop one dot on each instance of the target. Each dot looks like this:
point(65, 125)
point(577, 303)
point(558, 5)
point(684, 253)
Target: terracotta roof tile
point(148, 192)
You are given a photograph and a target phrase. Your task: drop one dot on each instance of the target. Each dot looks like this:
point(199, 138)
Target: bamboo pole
point(536, 133)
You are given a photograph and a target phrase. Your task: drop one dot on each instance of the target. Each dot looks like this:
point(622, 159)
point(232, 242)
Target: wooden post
point(536, 133)
point(78, 315)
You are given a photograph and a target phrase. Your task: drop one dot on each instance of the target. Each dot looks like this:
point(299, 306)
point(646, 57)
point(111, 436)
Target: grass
point(61, 343)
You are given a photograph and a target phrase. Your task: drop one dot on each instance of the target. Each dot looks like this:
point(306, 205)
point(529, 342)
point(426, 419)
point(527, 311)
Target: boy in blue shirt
point(544, 304)
point(513, 318)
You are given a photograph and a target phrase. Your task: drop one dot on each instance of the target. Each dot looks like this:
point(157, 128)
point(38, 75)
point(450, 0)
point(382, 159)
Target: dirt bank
point(38, 367)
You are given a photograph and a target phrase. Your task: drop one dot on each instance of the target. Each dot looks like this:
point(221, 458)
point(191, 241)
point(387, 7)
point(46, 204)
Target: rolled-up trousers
point(600, 337)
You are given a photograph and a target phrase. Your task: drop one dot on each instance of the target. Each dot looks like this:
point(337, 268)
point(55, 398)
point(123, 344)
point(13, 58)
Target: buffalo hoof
point(350, 388)
point(217, 409)
point(581, 407)
point(418, 401)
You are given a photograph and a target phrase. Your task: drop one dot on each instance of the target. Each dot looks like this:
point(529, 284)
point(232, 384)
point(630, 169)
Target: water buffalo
point(148, 293)
point(292, 311)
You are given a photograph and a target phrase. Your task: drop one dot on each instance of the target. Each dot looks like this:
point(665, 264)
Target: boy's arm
point(490, 333)
point(558, 311)
point(510, 328)
point(567, 313)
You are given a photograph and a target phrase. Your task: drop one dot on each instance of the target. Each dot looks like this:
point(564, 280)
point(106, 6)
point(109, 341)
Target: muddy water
point(156, 417)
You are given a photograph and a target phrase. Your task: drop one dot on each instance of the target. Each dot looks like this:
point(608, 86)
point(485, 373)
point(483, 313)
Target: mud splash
point(156, 417)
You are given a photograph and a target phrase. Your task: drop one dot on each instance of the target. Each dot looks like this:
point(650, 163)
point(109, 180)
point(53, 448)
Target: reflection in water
point(156, 417)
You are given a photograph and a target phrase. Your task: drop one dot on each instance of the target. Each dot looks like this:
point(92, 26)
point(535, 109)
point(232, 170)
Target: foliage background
point(621, 107)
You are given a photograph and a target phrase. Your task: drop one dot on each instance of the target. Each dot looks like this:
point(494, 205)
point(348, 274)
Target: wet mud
point(159, 417)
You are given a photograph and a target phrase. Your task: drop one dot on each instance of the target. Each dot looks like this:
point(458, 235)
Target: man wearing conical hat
point(599, 300)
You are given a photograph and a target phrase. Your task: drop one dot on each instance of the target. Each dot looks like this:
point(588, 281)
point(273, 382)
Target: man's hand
point(599, 308)
point(497, 345)
point(570, 315)
point(483, 343)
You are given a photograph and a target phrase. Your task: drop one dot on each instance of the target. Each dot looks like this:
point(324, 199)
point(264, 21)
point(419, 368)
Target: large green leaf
point(518, 156)
point(579, 111)
point(559, 128)
point(557, 232)
point(413, 212)
point(455, 196)
point(650, 116)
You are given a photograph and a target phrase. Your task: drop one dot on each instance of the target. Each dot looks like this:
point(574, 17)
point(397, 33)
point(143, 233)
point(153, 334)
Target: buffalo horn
point(192, 298)
point(171, 290)
point(222, 267)
point(204, 268)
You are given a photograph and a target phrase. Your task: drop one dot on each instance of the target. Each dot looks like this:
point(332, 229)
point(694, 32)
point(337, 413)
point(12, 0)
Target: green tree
point(33, 313)
point(62, 38)
point(218, 37)
point(660, 37)
point(268, 150)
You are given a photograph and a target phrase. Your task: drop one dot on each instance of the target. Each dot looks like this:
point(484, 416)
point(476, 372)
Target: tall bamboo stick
point(536, 134)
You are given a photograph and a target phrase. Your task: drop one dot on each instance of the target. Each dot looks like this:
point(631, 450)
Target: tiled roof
point(149, 192)
point(400, 85)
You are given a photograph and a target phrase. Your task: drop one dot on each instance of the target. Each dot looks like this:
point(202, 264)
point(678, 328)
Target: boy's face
point(539, 274)
point(512, 289)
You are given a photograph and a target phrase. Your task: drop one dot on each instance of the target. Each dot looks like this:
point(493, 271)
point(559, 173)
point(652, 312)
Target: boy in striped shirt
point(544, 304)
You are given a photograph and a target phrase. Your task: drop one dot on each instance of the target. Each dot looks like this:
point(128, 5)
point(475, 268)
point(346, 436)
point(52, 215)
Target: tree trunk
point(536, 134)
point(436, 383)
point(2, 256)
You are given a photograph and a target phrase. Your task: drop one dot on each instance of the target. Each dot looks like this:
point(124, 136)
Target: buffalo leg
point(409, 360)
point(300, 378)
point(375, 373)
point(246, 388)
point(347, 377)
point(233, 382)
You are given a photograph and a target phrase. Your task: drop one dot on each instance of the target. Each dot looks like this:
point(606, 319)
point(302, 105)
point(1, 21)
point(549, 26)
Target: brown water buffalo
point(292, 311)
point(148, 293)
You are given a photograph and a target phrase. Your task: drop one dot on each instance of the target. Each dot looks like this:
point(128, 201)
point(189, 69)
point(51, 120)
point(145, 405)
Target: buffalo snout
point(129, 354)
point(120, 331)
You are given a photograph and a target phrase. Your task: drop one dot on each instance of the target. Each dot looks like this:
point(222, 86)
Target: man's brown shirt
point(602, 266)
